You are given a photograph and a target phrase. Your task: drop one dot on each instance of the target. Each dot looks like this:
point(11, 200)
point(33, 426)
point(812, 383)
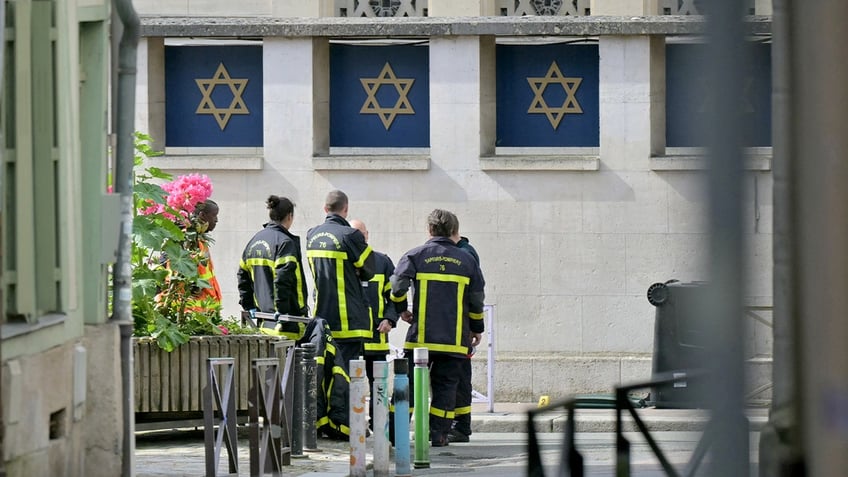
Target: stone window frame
point(189, 158)
point(696, 158)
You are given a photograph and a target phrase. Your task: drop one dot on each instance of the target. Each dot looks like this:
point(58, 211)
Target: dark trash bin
point(679, 342)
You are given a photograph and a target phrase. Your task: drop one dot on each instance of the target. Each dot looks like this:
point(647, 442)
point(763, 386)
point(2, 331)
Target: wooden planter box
point(169, 386)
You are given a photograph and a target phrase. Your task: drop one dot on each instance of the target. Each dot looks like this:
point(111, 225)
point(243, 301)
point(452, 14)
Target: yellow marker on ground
point(544, 401)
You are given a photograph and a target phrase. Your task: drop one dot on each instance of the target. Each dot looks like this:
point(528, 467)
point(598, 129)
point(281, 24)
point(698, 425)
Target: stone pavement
point(181, 453)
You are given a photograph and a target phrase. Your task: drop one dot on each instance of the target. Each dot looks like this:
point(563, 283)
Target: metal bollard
point(421, 357)
point(358, 417)
point(401, 398)
point(380, 422)
point(297, 406)
point(310, 400)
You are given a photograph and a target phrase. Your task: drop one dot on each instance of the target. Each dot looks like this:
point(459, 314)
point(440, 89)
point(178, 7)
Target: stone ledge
point(540, 163)
point(371, 163)
point(206, 162)
point(700, 163)
point(259, 27)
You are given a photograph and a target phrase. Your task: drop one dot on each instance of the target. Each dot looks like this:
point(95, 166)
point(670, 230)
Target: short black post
point(310, 399)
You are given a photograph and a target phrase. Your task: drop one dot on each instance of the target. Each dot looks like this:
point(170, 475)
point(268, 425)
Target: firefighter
point(271, 278)
point(340, 260)
point(207, 213)
point(446, 316)
point(461, 426)
point(383, 313)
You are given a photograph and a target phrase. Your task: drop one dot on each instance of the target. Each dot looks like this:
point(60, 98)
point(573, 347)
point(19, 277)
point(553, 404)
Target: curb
point(604, 420)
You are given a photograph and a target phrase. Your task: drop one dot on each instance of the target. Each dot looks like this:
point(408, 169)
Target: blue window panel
point(213, 96)
point(560, 107)
point(379, 96)
point(688, 96)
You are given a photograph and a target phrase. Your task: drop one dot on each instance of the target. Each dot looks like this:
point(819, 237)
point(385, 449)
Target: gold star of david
point(207, 106)
point(569, 85)
point(372, 106)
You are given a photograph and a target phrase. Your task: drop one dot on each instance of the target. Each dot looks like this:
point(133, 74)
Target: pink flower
point(185, 192)
point(223, 329)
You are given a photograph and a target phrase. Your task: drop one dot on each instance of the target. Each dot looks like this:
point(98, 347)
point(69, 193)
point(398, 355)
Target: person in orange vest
point(207, 212)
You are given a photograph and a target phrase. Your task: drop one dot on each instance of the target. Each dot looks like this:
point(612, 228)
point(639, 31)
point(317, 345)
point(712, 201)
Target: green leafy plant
point(168, 244)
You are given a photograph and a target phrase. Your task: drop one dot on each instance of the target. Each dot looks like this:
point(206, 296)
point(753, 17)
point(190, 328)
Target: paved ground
point(498, 446)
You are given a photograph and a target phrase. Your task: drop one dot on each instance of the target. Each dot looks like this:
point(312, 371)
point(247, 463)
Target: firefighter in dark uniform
point(383, 313)
point(461, 427)
point(270, 276)
point(447, 313)
point(340, 260)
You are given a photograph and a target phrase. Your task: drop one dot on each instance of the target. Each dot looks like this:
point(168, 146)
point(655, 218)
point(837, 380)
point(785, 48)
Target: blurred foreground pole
point(725, 63)
point(780, 439)
point(819, 150)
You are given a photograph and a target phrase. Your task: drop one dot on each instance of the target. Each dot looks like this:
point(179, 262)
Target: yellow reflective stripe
point(376, 346)
point(460, 293)
point(422, 308)
point(315, 292)
point(392, 408)
point(460, 411)
point(257, 262)
point(285, 260)
point(335, 255)
point(379, 278)
point(331, 348)
point(410, 345)
point(397, 299)
point(319, 360)
point(340, 292)
point(352, 333)
point(442, 413)
point(301, 299)
point(443, 277)
point(387, 286)
point(475, 316)
point(365, 253)
point(341, 371)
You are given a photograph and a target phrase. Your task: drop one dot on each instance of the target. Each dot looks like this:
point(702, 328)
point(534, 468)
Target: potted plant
point(176, 327)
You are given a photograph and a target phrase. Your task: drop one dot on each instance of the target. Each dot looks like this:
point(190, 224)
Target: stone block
point(103, 424)
point(625, 7)
point(246, 8)
point(161, 7)
point(465, 8)
point(578, 264)
point(516, 270)
point(653, 258)
point(559, 377)
point(625, 202)
point(618, 324)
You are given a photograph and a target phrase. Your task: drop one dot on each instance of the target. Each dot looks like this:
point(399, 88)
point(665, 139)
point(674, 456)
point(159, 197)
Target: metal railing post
point(358, 417)
point(421, 378)
point(226, 405)
point(266, 453)
point(401, 398)
point(380, 419)
point(297, 405)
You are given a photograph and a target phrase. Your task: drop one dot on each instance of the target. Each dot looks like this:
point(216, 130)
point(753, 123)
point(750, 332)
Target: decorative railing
point(380, 8)
point(695, 7)
point(520, 8)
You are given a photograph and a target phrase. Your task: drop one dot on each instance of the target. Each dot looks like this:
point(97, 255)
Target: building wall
point(61, 404)
point(568, 249)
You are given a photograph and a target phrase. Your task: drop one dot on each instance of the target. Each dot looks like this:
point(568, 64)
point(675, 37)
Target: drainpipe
point(122, 291)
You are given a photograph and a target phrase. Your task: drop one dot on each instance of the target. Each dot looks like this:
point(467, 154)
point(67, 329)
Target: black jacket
point(340, 260)
point(448, 302)
point(377, 293)
point(271, 277)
